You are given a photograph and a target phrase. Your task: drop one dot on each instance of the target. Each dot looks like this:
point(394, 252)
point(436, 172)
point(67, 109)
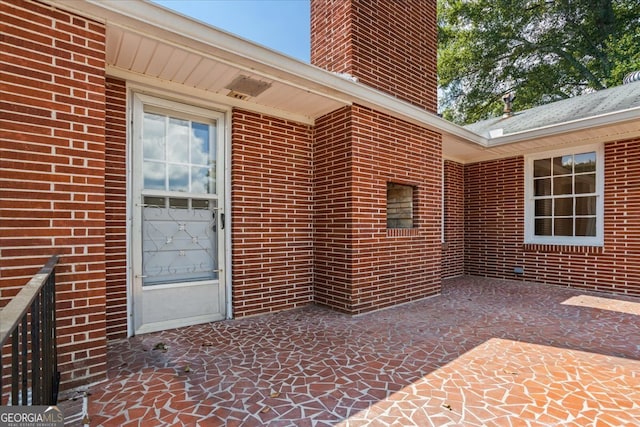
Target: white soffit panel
point(149, 57)
point(146, 51)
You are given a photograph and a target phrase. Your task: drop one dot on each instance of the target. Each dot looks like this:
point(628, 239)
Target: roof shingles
point(593, 104)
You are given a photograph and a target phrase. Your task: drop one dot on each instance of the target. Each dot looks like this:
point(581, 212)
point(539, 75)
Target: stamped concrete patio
point(484, 353)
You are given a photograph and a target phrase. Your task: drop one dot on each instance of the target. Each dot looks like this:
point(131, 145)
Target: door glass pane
point(179, 234)
point(178, 141)
point(153, 137)
point(178, 178)
point(202, 180)
point(178, 203)
point(200, 144)
point(200, 204)
point(179, 154)
point(156, 202)
point(154, 175)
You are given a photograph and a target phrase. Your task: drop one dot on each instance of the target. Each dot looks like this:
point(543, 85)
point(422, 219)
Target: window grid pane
point(586, 226)
point(565, 195)
point(542, 168)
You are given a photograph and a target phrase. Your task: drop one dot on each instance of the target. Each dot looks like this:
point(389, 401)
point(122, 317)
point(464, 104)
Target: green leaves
point(544, 50)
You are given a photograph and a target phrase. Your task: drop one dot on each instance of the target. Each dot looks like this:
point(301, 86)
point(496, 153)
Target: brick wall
point(52, 171)
point(272, 214)
point(494, 216)
point(333, 216)
point(360, 265)
point(331, 35)
point(619, 265)
point(116, 207)
point(453, 222)
point(389, 45)
point(494, 231)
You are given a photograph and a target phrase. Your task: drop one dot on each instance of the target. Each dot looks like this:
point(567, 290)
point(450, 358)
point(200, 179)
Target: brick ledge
point(537, 247)
point(398, 232)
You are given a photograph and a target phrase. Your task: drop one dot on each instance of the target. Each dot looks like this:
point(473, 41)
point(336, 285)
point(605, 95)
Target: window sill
point(553, 248)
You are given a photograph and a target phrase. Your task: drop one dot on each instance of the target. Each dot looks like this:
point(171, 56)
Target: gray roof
point(593, 104)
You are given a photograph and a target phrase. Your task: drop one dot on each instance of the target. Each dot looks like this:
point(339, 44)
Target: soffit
point(144, 55)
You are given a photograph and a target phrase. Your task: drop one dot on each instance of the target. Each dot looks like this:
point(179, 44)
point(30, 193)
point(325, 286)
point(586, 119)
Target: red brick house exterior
point(304, 173)
point(494, 212)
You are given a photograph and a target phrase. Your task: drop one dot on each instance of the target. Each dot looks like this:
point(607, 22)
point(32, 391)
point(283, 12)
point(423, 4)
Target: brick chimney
point(387, 44)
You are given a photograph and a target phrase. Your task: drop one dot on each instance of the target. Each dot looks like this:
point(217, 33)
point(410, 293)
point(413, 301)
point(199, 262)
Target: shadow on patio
point(484, 353)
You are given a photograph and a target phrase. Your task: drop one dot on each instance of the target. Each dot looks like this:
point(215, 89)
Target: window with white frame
point(564, 197)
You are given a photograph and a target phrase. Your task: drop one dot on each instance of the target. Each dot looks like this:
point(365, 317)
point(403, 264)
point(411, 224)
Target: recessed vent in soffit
point(244, 87)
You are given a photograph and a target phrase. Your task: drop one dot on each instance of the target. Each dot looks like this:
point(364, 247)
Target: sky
point(282, 25)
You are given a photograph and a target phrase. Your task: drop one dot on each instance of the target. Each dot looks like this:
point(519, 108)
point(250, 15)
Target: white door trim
point(147, 93)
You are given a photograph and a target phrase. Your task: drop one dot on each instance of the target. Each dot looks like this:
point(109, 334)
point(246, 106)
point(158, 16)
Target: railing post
point(35, 351)
point(47, 387)
point(54, 337)
point(29, 319)
point(25, 362)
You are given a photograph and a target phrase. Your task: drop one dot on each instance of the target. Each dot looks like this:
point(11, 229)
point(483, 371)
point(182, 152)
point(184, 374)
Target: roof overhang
point(149, 44)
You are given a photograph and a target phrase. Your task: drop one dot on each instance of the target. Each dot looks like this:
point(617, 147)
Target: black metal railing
point(28, 321)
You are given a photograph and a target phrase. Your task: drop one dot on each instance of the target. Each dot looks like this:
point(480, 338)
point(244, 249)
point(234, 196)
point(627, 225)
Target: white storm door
point(178, 216)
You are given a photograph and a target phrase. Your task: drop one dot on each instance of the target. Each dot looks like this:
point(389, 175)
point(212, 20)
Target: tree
point(543, 50)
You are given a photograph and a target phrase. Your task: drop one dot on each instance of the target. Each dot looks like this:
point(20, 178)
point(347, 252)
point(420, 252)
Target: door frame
point(140, 91)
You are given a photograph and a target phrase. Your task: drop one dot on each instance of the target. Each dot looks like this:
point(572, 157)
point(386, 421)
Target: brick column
point(52, 169)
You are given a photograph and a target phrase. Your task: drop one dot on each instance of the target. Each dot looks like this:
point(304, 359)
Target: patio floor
point(484, 353)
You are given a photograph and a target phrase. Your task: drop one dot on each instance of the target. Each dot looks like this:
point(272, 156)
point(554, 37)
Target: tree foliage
point(543, 50)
